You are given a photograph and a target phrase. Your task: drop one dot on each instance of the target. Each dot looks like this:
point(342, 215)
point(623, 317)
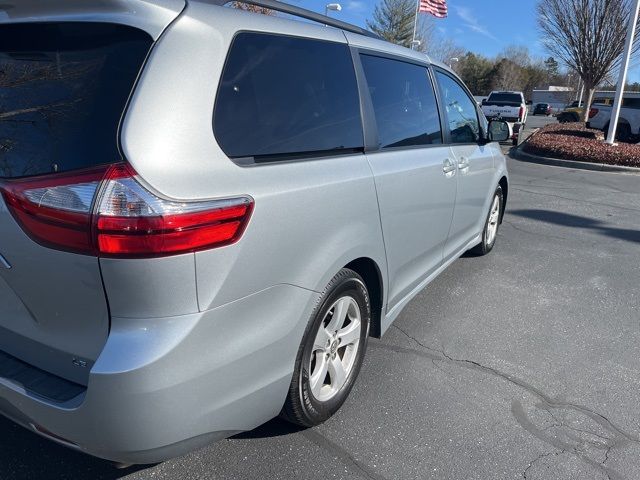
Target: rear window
point(63, 88)
point(505, 97)
point(283, 96)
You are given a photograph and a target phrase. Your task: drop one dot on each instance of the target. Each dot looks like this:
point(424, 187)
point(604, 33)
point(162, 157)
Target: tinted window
point(462, 116)
point(284, 95)
point(403, 101)
point(631, 102)
point(63, 88)
point(505, 97)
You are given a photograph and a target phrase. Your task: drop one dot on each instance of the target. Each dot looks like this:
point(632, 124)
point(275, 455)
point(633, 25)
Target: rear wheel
point(331, 352)
point(490, 232)
point(623, 132)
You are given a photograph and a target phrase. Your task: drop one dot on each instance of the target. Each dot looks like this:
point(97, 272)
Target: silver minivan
point(205, 212)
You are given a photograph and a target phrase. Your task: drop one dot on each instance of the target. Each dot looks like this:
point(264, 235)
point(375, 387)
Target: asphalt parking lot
point(521, 364)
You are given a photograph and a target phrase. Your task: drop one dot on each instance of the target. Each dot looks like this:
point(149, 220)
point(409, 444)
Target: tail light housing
point(521, 113)
point(593, 112)
point(108, 212)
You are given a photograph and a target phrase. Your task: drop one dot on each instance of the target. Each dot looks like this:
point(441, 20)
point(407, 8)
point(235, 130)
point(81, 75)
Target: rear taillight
point(593, 112)
point(521, 113)
point(108, 212)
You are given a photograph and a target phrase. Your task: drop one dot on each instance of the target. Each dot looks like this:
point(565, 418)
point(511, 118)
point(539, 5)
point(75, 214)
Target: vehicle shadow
point(25, 455)
point(273, 428)
point(577, 221)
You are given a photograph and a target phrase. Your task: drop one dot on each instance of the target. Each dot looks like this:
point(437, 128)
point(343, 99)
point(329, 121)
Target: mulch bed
point(573, 141)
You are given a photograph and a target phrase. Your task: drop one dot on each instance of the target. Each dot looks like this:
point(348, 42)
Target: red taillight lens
point(521, 113)
point(593, 112)
point(55, 210)
point(108, 212)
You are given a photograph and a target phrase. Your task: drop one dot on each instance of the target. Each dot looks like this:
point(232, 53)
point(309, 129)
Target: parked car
point(508, 106)
point(571, 113)
point(206, 212)
point(628, 121)
point(542, 109)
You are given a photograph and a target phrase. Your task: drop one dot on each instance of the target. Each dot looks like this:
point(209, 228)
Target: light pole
point(453, 59)
point(336, 7)
point(624, 66)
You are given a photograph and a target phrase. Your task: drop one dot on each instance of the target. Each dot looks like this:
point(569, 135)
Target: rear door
point(475, 165)
point(414, 172)
point(63, 89)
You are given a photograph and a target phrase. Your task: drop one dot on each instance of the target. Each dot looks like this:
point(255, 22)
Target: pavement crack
point(547, 403)
point(537, 459)
point(410, 337)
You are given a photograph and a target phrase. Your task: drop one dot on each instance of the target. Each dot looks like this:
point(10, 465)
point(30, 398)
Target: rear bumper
point(165, 386)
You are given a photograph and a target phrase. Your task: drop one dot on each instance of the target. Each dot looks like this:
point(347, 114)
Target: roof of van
point(152, 16)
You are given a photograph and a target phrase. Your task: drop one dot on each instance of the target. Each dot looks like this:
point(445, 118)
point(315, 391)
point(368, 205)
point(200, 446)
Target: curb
point(519, 154)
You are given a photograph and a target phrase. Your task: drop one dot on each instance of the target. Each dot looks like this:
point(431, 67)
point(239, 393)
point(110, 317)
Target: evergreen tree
point(393, 20)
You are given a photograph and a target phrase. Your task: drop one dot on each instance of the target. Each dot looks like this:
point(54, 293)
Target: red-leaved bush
point(573, 141)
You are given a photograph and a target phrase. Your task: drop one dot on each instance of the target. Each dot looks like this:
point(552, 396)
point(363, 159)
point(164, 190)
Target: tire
point(491, 225)
point(623, 132)
point(319, 386)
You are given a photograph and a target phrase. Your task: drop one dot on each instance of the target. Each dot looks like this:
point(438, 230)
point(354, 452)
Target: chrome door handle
point(449, 167)
point(463, 165)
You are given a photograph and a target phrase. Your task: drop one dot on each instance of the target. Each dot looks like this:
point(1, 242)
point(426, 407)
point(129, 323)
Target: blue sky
point(482, 27)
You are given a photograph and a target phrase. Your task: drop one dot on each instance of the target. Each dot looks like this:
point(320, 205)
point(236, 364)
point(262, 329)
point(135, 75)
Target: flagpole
point(415, 25)
point(624, 66)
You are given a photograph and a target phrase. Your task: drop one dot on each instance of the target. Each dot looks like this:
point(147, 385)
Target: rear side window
point(283, 96)
point(63, 88)
point(403, 101)
point(631, 103)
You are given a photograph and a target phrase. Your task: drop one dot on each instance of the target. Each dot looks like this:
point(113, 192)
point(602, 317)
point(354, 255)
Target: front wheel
point(331, 352)
point(490, 232)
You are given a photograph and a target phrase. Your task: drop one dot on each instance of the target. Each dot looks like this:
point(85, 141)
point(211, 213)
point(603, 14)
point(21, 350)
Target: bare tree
point(587, 35)
point(444, 49)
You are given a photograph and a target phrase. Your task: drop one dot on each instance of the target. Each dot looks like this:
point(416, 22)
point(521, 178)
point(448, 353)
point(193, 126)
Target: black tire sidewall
point(486, 247)
point(315, 410)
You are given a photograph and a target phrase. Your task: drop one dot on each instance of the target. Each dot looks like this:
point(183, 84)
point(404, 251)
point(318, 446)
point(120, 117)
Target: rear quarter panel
point(310, 218)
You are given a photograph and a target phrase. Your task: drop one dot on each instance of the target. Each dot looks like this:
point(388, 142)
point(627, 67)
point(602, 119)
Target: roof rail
point(302, 13)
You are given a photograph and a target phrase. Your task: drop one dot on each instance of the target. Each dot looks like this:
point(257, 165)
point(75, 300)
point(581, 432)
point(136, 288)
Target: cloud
point(471, 22)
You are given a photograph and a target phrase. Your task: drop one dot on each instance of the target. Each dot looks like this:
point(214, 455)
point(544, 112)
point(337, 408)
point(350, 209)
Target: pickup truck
point(508, 106)
point(628, 122)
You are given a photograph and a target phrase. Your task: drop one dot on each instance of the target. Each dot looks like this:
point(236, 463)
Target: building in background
point(560, 97)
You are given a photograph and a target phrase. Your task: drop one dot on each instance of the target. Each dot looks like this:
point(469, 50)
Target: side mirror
point(499, 131)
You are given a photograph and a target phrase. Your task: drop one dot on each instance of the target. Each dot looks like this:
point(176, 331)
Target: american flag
point(437, 8)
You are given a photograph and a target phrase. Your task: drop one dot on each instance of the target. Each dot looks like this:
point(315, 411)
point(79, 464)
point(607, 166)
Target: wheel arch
point(504, 184)
point(369, 270)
